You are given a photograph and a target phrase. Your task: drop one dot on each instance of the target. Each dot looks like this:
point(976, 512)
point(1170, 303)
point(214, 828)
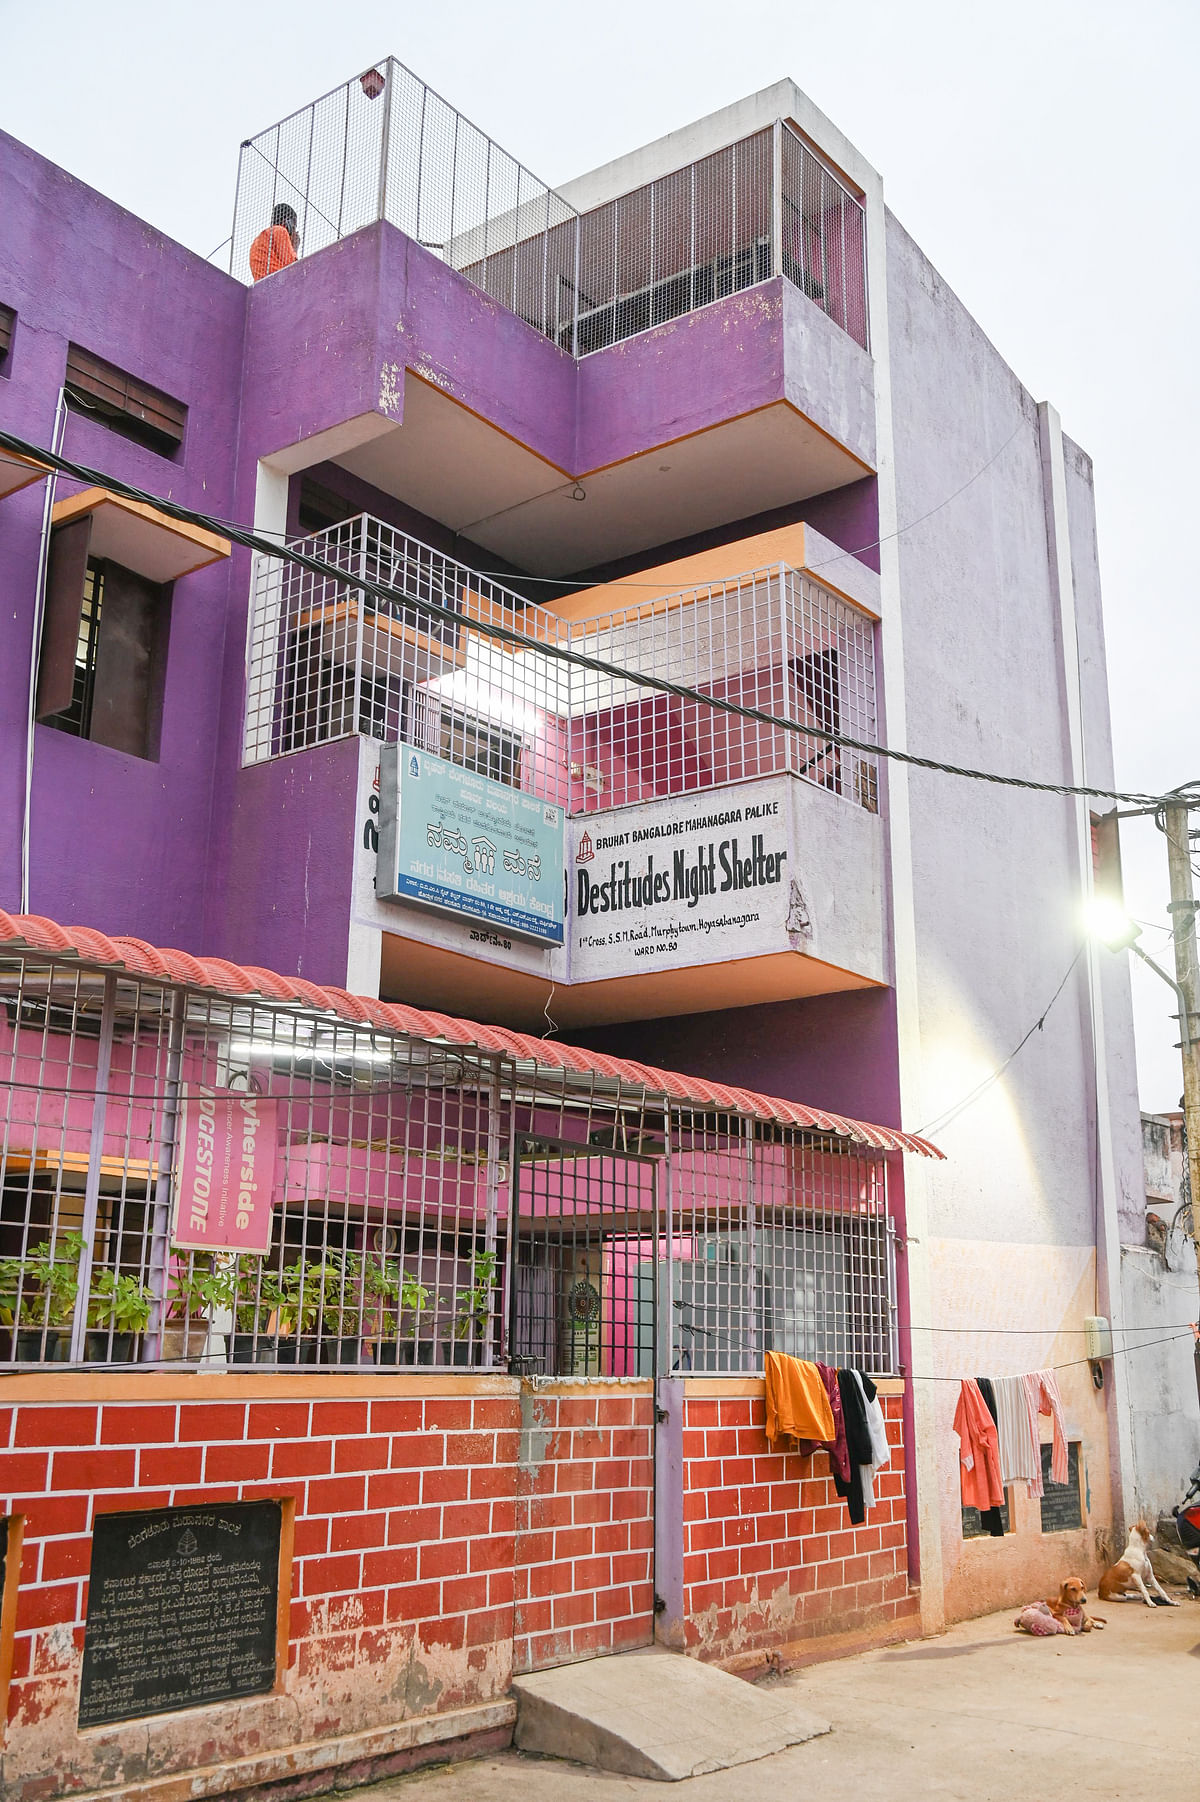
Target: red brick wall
point(406, 1556)
point(769, 1552)
point(585, 1524)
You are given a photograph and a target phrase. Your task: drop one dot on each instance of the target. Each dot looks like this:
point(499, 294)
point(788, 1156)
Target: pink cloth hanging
point(1043, 1397)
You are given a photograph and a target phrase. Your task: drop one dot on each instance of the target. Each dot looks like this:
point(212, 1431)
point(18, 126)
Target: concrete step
point(655, 1714)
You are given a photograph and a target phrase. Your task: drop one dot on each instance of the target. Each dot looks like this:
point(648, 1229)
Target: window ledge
point(139, 537)
point(17, 472)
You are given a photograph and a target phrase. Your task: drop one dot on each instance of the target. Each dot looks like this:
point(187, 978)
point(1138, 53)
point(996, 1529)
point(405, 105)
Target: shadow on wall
point(830, 1051)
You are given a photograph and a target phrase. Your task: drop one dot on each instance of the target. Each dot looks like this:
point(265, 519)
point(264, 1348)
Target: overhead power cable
point(255, 541)
point(941, 1121)
point(1118, 1351)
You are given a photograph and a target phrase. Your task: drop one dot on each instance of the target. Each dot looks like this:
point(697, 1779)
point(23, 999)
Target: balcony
point(596, 720)
point(385, 146)
point(461, 338)
point(709, 823)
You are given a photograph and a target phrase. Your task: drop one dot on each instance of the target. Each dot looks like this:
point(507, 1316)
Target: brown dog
point(1069, 1610)
point(1133, 1571)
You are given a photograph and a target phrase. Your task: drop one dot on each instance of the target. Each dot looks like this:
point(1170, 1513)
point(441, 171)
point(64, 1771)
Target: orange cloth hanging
point(979, 1450)
point(797, 1405)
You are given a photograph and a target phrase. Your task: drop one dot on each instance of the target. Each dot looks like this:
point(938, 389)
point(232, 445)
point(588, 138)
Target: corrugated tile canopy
point(240, 981)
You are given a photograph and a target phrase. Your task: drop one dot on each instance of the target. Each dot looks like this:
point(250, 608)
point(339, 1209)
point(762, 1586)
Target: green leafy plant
point(339, 1287)
point(203, 1288)
point(394, 1298)
point(40, 1289)
point(119, 1302)
point(296, 1293)
point(473, 1305)
point(256, 1295)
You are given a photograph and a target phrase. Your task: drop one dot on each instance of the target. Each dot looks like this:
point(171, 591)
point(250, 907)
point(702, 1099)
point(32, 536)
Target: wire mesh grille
point(328, 659)
point(427, 1204)
point(386, 146)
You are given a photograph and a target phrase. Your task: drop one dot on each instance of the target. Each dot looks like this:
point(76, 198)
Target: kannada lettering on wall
point(452, 839)
point(683, 881)
point(225, 1172)
point(182, 1609)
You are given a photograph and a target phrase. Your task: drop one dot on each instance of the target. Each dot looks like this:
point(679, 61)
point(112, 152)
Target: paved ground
point(982, 1714)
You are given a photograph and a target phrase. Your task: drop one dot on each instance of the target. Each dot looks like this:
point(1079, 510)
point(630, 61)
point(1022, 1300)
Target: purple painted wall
point(189, 849)
point(287, 862)
point(117, 842)
point(831, 1051)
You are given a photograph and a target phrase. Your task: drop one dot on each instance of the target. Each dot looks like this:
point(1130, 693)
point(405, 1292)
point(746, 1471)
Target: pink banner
point(224, 1172)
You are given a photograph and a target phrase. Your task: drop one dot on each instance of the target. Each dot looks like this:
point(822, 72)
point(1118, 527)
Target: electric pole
point(1183, 920)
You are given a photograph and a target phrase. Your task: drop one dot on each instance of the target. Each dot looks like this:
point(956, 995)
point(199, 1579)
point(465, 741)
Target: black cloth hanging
point(990, 1519)
point(858, 1443)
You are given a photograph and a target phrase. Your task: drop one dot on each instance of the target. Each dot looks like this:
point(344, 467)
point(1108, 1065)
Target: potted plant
point(297, 1291)
point(403, 1300)
point(339, 1295)
point(256, 1297)
point(472, 1310)
point(198, 1291)
point(38, 1294)
point(118, 1313)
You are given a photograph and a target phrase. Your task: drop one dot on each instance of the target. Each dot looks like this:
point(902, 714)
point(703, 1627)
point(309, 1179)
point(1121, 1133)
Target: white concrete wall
point(1003, 670)
point(1163, 1406)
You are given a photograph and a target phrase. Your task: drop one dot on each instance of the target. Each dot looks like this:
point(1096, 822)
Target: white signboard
point(692, 880)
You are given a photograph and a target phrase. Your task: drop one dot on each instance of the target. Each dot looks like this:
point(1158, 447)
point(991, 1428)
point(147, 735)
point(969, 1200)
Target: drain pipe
point(39, 604)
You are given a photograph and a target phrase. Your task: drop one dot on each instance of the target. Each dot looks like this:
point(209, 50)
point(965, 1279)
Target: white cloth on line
point(1020, 1454)
point(1043, 1396)
point(880, 1450)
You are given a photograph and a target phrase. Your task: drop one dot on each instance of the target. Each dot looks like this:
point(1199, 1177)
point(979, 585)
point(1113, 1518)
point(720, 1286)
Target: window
point(124, 403)
point(972, 1521)
point(8, 327)
point(1062, 1503)
point(103, 654)
point(478, 745)
point(321, 508)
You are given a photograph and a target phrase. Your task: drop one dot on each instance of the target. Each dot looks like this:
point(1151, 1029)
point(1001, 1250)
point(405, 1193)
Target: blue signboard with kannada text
point(455, 840)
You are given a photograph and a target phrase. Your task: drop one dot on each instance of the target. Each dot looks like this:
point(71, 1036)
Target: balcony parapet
point(673, 694)
point(385, 146)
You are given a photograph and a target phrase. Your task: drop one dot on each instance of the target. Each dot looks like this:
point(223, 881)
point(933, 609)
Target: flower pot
point(35, 1345)
point(404, 1351)
point(288, 1349)
point(184, 1340)
point(98, 1349)
point(240, 1348)
point(340, 1351)
point(463, 1352)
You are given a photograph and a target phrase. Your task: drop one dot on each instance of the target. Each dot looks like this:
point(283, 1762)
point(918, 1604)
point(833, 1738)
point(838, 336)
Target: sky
point(1042, 154)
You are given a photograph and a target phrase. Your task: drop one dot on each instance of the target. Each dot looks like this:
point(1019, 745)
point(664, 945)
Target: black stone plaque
point(1062, 1504)
point(182, 1609)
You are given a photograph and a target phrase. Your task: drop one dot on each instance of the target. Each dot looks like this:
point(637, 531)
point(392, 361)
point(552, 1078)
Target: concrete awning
point(139, 537)
point(17, 472)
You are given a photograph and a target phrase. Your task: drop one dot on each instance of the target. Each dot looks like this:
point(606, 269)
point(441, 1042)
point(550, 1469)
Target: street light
point(1108, 922)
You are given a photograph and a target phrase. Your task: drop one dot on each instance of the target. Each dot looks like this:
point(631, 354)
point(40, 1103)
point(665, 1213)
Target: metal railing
point(412, 1201)
point(327, 659)
point(386, 146)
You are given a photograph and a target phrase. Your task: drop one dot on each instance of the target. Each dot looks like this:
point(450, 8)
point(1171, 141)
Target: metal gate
point(582, 1334)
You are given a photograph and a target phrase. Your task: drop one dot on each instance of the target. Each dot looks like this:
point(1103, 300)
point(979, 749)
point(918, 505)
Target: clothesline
point(1119, 1351)
point(1000, 1440)
point(811, 1406)
point(1053, 1331)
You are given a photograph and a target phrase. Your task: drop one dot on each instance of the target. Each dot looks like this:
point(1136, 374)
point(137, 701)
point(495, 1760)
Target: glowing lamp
point(1108, 922)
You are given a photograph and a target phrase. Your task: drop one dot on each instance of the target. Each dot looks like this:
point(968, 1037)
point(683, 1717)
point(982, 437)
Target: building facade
point(624, 523)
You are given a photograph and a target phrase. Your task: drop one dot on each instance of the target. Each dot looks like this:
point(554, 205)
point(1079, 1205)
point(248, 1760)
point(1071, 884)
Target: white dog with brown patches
point(1133, 1570)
